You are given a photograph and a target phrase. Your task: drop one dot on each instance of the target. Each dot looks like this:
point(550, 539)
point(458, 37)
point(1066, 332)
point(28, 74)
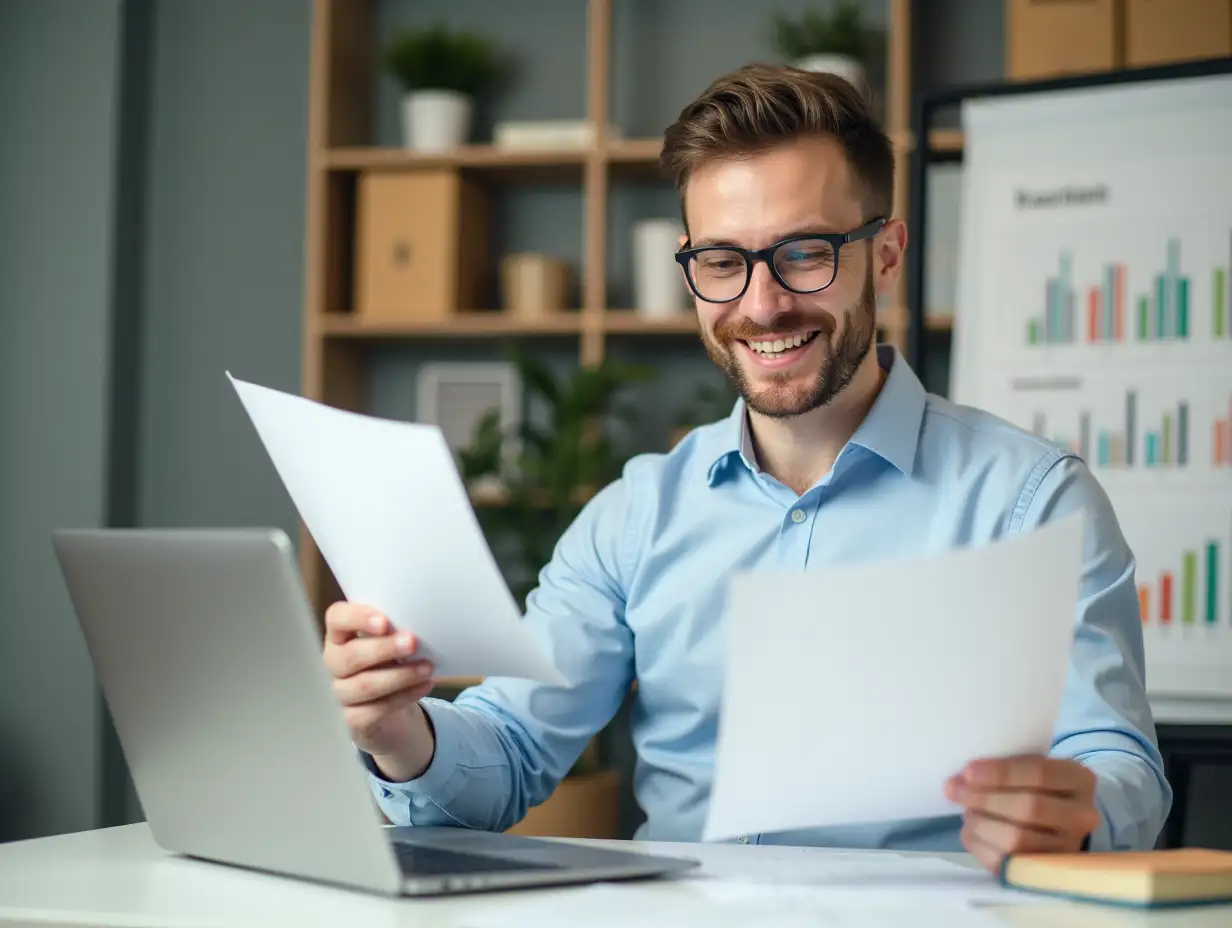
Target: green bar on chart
point(1165, 456)
point(1217, 307)
point(1144, 319)
point(1161, 323)
point(1182, 308)
point(1212, 582)
point(1033, 327)
point(1189, 578)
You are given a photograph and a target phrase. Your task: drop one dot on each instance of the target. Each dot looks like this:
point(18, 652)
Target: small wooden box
point(1167, 31)
point(1050, 38)
point(421, 250)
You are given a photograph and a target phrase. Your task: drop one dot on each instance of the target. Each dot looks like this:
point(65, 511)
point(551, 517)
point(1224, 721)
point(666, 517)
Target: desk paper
point(388, 510)
point(888, 678)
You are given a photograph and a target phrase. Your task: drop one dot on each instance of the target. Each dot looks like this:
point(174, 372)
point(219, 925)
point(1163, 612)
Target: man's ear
point(889, 248)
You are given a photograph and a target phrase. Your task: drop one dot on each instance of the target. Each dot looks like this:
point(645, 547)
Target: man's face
point(755, 201)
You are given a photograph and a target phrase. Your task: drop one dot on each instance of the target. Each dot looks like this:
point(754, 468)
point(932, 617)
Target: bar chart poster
point(1160, 428)
point(1183, 549)
point(1094, 309)
point(1164, 282)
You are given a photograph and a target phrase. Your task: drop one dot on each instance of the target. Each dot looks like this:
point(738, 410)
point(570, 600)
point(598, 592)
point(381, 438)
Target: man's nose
point(765, 299)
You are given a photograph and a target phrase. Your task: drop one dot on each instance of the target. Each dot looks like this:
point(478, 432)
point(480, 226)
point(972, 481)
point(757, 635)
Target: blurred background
point(440, 211)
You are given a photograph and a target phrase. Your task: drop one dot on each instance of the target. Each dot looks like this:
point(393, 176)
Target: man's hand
point(1024, 804)
point(379, 680)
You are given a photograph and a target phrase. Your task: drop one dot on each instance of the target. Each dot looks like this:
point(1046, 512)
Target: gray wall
point(223, 253)
point(59, 87)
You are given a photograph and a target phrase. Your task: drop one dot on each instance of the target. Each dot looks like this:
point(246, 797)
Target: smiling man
point(834, 453)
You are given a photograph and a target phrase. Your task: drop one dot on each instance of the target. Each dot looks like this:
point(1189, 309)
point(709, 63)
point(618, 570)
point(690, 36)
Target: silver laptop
point(209, 659)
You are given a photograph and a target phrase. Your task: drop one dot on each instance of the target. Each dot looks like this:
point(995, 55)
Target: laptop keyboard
point(417, 860)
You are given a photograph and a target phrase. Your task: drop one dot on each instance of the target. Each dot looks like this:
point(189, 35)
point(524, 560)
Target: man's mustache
point(748, 330)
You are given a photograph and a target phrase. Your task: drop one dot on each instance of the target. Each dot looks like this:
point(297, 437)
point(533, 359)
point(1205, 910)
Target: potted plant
point(441, 73)
point(839, 42)
point(558, 464)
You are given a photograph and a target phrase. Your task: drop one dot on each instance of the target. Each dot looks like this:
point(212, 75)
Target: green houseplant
point(556, 464)
point(838, 42)
point(441, 72)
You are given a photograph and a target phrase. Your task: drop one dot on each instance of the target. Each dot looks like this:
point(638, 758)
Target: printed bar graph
point(1102, 305)
point(1166, 442)
point(1221, 439)
point(1168, 445)
point(1199, 591)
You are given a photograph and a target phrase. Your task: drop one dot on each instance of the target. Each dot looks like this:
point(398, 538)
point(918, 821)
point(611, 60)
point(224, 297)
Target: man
point(834, 453)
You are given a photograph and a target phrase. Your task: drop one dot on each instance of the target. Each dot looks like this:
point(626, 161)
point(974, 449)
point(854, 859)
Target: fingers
point(988, 856)
point(344, 621)
point(1060, 776)
point(1002, 837)
point(1043, 812)
point(361, 654)
point(374, 685)
point(364, 719)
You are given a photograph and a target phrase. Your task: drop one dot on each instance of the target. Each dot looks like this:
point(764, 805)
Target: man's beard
point(838, 366)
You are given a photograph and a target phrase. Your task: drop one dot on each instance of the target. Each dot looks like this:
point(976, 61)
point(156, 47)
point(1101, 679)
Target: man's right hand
point(379, 682)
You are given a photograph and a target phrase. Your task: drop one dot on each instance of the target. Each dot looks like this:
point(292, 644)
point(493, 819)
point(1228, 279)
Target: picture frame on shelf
point(456, 395)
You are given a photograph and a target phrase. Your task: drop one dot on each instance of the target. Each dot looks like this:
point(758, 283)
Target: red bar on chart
point(1144, 603)
point(1165, 598)
point(1093, 315)
point(1220, 441)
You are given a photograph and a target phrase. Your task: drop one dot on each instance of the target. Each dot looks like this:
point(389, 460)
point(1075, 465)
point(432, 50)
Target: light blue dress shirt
point(634, 591)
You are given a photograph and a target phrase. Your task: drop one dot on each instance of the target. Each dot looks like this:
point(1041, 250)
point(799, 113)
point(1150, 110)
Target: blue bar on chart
point(1057, 324)
point(1164, 313)
point(1168, 446)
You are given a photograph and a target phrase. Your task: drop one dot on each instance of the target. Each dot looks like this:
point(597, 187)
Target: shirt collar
point(891, 430)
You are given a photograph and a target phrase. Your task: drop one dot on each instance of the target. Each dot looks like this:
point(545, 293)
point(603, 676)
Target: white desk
point(119, 877)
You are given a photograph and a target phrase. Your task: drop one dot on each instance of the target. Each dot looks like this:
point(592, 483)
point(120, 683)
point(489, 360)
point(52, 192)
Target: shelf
point(477, 325)
point(636, 158)
point(558, 164)
point(629, 322)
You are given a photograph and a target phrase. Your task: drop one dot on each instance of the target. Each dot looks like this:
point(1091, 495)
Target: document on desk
point(887, 679)
point(387, 508)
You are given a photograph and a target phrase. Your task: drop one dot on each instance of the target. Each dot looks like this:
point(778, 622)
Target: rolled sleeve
point(1105, 720)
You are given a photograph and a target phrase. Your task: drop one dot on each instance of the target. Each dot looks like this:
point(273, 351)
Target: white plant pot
point(435, 120)
point(659, 288)
point(842, 65)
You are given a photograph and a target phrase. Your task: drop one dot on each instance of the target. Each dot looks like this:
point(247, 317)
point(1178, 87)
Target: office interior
point(189, 187)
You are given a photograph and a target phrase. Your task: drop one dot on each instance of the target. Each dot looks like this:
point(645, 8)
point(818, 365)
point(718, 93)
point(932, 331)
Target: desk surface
point(119, 877)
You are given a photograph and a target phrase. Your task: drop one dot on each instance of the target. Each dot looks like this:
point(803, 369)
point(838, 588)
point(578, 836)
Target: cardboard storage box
point(1167, 31)
point(1049, 38)
point(421, 250)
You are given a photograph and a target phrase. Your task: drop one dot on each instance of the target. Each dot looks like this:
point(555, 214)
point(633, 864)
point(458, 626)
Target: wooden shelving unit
point(342, 82)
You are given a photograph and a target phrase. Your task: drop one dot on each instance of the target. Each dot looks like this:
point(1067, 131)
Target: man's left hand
point(1025, 804)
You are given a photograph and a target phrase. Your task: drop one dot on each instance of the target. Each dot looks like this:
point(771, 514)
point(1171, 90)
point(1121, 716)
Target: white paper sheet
point(888, 679)
point(389, 512)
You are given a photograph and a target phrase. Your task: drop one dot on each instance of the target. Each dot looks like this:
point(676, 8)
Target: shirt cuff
point(438, 782)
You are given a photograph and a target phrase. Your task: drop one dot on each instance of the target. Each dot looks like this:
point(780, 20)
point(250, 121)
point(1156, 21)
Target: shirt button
point(797, 516)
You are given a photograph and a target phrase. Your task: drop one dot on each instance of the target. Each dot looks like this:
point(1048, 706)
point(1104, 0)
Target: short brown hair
point(758, 106)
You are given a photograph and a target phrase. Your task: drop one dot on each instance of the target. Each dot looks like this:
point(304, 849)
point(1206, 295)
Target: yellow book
point(1148, 879)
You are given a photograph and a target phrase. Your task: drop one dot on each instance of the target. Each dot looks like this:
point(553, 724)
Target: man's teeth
point(779, 345)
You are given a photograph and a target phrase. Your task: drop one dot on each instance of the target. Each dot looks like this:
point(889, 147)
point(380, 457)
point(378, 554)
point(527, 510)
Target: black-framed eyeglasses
point(801, 264)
